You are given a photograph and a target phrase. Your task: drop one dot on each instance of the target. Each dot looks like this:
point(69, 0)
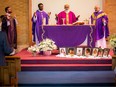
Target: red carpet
point(53, 63)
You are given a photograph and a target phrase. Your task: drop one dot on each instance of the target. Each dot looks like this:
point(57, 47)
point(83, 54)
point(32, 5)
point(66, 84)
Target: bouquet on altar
point(113, 40)
point(33, 49)
point(47, 45)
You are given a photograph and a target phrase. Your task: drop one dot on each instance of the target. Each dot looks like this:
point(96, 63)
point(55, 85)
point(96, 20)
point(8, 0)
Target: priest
point(9, 23)
point(66, 16)
point(100, 20)
point(40, 17)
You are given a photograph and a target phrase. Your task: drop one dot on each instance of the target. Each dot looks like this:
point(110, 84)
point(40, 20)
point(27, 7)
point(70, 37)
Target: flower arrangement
point(113, 40)
point(47, 45)
point(33, 49)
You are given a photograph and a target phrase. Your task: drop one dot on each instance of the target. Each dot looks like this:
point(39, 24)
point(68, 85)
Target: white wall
point(84, 8)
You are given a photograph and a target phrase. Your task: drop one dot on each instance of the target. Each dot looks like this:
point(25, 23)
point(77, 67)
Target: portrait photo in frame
point(71, 51)
point(106, 52)
point(87, 52)
point(63, 51)
point(95, 52)
point(79, 51)
point(100, 52)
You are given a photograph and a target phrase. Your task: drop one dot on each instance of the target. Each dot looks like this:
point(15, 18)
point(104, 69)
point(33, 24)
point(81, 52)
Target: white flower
point(47, 44)
point(33, 49)
point(113, 40)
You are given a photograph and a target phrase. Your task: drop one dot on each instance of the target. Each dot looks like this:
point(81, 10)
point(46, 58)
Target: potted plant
point(113, 42)
point(47, 45)
point(34, 50)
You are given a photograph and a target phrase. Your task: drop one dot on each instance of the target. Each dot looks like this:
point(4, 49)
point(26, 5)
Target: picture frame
point(100, 52)
point(79, 51)
point(87, 52)
point(106, 52)
point(71, 51)
point(95, 52)
point(62, 51)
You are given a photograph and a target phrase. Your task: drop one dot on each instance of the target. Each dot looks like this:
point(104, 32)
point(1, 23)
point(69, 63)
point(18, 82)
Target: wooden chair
point(14, 65)
point(8, 74)
point(113, 62)
point(114, 65)
point(4, 76)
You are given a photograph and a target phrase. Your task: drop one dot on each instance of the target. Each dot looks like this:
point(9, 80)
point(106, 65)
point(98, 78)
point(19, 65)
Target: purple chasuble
point(11, 30)
point(36, 25)
point(96, 18)
point(71, 15)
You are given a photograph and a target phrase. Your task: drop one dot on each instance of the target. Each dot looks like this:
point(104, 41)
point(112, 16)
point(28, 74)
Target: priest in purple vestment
point(100, 20)
point(39, 18)
point(66, 16)
point(9, 26)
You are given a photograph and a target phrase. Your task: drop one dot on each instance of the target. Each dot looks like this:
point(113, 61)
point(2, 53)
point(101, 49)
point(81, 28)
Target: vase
point(47, 53)
point(114, 50)
point(34, 54)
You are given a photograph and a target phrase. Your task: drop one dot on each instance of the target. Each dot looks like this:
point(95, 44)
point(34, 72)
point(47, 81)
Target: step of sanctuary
point(66, 67)
point(66, 79)
point(53, 63)
point(52, 71)
point(59, 60)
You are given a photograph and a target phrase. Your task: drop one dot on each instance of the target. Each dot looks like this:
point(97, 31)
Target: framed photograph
point(106, 52)
point(87, 51)
point(100, 52)
point(71, 51)
point(95, 52)
point(63, 51)
point(79, 51)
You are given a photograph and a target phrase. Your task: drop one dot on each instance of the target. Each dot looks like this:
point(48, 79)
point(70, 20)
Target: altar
point(68, 35)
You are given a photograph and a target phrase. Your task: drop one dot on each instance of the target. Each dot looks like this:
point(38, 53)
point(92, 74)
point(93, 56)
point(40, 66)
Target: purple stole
point(96, 18)
point(10, 30)
point(38, 24)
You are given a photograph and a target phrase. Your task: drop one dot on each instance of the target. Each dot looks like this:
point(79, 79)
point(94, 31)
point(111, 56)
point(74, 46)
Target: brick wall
point(20, 8)
point(109, 8)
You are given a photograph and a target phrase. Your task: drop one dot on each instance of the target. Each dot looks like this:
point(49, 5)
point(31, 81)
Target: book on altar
point(78, 23)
